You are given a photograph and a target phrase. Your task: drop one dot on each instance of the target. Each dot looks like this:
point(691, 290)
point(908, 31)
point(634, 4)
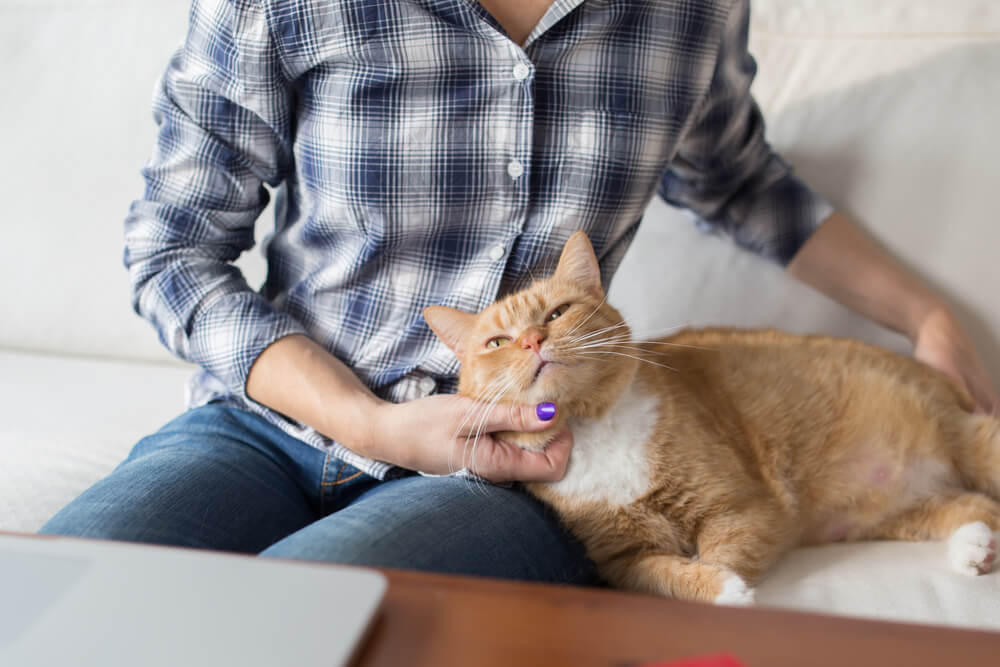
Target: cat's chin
point(531, 441)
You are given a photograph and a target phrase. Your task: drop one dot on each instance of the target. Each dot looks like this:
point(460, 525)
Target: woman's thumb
point(521, 418)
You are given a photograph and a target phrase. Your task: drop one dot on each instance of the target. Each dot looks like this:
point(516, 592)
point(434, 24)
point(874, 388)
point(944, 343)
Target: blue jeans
point(221, 478)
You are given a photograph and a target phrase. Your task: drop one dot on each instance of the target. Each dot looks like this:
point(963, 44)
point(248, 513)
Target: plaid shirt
point(421, 157)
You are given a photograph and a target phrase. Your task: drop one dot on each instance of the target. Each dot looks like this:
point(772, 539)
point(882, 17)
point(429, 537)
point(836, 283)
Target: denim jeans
point(221, 478)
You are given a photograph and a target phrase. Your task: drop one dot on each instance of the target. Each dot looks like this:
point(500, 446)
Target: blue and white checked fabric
point(421, 157)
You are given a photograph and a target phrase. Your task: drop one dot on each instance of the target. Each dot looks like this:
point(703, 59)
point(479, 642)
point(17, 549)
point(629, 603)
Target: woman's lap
point(201, 481)
point(445, 524)
point(220, 478)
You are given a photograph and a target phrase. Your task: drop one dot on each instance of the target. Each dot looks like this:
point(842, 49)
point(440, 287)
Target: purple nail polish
point(545, 411)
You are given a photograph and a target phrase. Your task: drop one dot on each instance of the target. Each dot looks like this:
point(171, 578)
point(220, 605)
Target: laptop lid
point(84, 602)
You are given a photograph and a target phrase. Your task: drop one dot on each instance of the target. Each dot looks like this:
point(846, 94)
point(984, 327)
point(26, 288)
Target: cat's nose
point(532, 340)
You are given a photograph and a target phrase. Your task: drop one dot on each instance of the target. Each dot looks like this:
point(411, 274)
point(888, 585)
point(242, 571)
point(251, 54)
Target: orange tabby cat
point(692, 473)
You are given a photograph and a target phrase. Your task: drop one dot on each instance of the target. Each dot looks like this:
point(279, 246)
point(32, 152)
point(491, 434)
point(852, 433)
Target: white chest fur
point(609, 462)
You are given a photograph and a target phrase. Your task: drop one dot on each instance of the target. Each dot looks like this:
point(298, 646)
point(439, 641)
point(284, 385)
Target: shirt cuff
point(230, 335)
point(778, 221)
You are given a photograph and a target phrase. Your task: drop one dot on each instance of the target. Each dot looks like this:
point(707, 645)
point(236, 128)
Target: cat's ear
point(578, 264)
point(450, 325)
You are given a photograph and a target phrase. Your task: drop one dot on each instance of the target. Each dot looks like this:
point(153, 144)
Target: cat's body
point(699, 459)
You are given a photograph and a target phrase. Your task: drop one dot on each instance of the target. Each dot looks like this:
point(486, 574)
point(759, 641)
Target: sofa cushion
point(77, 419)
point(897, 581)
point(68, 422)
point(888, 108)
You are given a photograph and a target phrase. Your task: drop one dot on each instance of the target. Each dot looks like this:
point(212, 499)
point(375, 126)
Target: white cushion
point(77, 419)
point(897, 126)
point(67, 422)
point(887, 107)
point(925, 20)
point(890, 110)
point(897, 581)
point(78, 118)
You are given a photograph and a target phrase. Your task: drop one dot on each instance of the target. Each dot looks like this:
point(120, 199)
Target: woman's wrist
point(930, 308)
point(362, 432)
point(298, 378)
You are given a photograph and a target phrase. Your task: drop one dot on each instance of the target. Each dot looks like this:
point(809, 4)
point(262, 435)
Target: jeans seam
point(323, 484)
point(346, 479)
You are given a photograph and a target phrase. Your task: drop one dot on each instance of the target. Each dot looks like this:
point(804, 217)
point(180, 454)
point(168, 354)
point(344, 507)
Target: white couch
point(889, 108)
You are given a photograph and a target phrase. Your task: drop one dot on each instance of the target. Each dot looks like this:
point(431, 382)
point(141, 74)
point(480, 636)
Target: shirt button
point(497, 252)
point(515, 168)
point(521, 71)
point(427, 386)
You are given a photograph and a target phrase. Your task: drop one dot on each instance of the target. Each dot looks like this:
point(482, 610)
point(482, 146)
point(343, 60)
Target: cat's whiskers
point(617, 338)
point(485, 399)
point(598, 332)
point(623, 337)
point(630, 356)
point(611, 340)
point(638, 338)
point(587, 319)
point(488, 407)
point(620, 346)
point(693, 347)
point(482, 397)
point(484, 414)
point(659, 333)
point(652, 335)
point(613, 345)
point(621, 342)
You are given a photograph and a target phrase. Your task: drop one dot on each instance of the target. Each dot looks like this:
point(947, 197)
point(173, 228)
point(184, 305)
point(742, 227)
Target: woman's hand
point(941, 343)
point(845, 263)
point(438, 434)
point(443, 434)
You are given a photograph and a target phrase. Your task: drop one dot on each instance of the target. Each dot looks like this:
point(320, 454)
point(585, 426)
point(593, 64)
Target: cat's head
point(557, 340)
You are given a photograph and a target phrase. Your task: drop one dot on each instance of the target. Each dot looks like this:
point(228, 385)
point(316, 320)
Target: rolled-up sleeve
point(726, 173)
point(223, 111)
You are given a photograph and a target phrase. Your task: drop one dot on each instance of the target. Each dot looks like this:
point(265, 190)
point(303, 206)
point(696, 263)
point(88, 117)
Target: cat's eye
point(497, 342)
point(555, 314)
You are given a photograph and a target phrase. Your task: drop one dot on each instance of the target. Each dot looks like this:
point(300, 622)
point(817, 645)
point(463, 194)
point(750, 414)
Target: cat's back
point(795, 400)
point(752, 360)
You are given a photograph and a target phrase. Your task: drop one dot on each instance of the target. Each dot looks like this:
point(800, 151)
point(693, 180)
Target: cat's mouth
point(544, 368)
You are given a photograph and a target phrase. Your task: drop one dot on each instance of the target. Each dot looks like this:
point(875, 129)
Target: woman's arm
point(845, 263)
point(298, 378)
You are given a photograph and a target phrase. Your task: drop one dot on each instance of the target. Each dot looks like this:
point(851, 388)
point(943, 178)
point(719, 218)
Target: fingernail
point(545, 411)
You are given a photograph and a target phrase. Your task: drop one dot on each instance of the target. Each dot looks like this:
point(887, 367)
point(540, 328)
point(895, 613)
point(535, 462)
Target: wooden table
point(442, 620)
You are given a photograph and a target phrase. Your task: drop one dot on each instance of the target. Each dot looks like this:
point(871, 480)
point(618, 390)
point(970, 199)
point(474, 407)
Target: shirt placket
point(517, 146)
point(514, 155)
point(512, 146)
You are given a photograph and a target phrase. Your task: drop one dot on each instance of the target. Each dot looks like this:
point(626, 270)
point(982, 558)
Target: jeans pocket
point(342, 483)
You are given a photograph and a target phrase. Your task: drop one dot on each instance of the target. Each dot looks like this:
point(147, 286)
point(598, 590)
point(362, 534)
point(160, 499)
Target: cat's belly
point(610, 462)
point(875, 488)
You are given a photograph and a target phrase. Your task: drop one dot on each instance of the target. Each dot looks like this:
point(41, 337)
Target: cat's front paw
point(972, 549)
point(735, 592)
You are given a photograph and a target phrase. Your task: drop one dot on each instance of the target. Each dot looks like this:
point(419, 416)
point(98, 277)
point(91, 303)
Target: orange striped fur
point(760, 440)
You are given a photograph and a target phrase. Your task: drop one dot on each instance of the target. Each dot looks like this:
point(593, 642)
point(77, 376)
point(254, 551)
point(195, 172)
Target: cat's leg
point(977, 453)
point(677, 577)
point(748, 542)
point(967, 520)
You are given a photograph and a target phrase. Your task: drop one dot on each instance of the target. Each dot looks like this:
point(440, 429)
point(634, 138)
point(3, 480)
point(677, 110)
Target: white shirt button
point(521, 71)
point(427, 385)
point(497, 252)
point(515, 168)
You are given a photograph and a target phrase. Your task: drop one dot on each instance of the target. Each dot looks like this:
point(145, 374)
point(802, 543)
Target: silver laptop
point(84, 602)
